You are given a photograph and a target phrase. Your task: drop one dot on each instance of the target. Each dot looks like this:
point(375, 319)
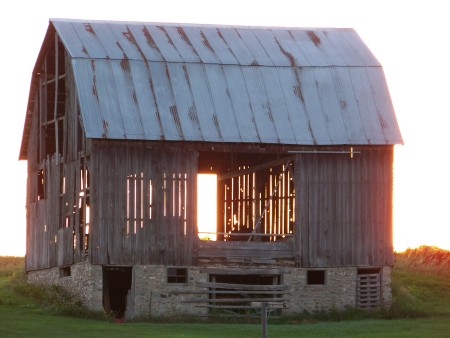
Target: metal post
point(264, 319)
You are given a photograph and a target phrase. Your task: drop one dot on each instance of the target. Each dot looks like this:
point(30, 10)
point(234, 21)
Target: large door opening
point(116, 284)
point(250, 197)
point(207, 206)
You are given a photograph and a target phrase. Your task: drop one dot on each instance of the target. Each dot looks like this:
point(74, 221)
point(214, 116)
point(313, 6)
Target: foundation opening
point(368, 288)
point(315, 277)
point(116, 284)
point(242, 294)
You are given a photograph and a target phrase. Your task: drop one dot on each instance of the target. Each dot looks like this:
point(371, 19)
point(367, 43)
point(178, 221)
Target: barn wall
point(344, 211)
point(56, 186)
point(144, 204)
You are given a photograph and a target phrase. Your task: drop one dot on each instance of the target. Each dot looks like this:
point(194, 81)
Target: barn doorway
point(116, 285)
point(253, 193)
point(207, 206)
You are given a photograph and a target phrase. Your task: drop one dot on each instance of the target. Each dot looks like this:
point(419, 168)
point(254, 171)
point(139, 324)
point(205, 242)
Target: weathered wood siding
point(54, 185)
point(260, 252)
point(344, 208)
point(53, 220)
point(144, 204)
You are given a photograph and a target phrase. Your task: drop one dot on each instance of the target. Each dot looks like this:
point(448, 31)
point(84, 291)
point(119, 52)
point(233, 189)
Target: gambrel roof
point(185, 82)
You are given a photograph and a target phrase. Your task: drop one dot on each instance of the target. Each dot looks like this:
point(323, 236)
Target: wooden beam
point(55, 106)
point(277, 301)
point(243, 287)
point(213, 292)
point(255, 168)
point(245, 271)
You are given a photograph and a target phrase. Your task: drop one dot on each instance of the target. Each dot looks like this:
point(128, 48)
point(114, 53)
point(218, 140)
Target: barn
point(296, 125)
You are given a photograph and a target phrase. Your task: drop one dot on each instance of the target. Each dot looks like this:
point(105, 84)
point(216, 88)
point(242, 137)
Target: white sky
point(409, 38)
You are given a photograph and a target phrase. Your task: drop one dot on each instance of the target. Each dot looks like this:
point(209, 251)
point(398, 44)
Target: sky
point(409, 39)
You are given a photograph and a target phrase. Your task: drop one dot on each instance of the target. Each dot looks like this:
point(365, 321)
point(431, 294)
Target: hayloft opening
point(254, 196)
point(116, 284)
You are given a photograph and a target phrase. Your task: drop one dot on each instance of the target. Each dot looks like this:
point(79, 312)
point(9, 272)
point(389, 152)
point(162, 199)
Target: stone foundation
point(151, 294)
point(85, 280)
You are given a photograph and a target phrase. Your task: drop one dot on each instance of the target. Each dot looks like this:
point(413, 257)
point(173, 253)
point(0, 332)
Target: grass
point(421, 308)
point(421, 283)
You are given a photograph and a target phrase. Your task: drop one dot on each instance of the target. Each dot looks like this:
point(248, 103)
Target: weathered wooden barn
point(296, 123)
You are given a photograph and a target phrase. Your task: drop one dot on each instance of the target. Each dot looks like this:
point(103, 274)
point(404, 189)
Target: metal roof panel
point(184, 110)
point(256, 49)
point(228, 84)
point(203, 101)
point(222, 111)
point(184, 44)
point(158, 37)
point(239, 96)
point(366, 106)
point(383, 104)
point(348, 105)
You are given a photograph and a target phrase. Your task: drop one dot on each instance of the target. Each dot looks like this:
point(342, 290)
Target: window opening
point(64, 271)
point(41, 185)
point(177, 275)
point(315, 277)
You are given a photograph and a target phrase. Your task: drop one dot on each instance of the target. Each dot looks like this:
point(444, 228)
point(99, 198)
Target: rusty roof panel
point(146, 101)
point(222, 114)
point(165, 101)
point(204, 107)
point(366, 106)
point(330, 106)
point(274, 51)
point(276, 105)
point(297, 54)
point(145, 43)
point(183, 44)
point(383, 104)
point(85, 80)
point(295, 105)
point(228, 84)
point(316, 119)
point(259, 105)
point(158, 38)
point(348, 105)
point(200, 44)
point(233, 41)
point(222, 47)
point(239, 97)
point(256, 49)
point(184, 108)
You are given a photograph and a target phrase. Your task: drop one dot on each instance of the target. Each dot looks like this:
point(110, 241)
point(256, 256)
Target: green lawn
point(417, 293)
point(27, 321)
